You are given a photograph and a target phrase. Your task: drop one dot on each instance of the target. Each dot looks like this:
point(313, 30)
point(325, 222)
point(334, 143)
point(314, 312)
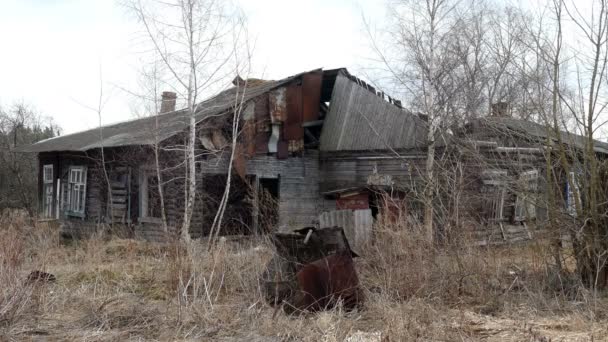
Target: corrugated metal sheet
point(147, 130)
point(361, 120)
point(357, 225)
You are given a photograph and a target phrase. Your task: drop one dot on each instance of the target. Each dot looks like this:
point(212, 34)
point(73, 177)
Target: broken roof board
point(148, 130)
point(361, 120)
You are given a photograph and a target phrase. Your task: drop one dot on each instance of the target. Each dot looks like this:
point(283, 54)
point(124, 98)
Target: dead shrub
point(123, 313)
point(402, 265)
point(16, 296)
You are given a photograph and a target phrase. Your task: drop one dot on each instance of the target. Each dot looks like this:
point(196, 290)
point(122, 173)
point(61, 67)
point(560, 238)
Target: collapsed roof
point(359, 118)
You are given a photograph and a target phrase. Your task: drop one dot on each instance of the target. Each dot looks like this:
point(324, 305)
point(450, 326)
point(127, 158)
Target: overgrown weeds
point(116, 289)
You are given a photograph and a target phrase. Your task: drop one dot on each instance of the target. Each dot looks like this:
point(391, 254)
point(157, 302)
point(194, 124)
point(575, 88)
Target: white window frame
point(572, 189)
point(47, 190)
point(496, 182)
point(525, 202)
point(77, 191)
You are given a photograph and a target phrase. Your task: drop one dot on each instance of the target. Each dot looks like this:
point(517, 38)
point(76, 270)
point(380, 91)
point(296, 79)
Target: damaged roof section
point(149, 130)
point(282, 117)
point(359, 119)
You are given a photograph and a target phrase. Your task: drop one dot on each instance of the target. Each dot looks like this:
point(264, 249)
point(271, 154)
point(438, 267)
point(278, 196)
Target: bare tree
point(21, 125)
point(242, 66)
point(419, 61)
point(190, 37)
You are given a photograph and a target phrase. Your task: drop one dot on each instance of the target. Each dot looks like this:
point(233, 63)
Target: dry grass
point(119, 289)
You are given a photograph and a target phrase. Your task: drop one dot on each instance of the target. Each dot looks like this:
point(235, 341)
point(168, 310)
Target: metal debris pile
point(313, 270)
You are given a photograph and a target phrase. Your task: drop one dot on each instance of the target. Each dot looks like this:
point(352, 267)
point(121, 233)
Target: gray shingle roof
point(146, 131)
point(534, 130)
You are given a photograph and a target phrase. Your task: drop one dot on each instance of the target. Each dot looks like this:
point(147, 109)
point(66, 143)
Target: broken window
point(238, 216)
point(525, 202)
point(47, 184)
point(77, 186)
point(494, 192)
point(120, 191)
point(268, 204)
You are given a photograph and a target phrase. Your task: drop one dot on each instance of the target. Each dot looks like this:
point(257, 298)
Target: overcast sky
point(52, 50)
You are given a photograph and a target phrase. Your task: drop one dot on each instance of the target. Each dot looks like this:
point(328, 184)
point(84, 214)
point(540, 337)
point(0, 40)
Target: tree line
point(20, 124)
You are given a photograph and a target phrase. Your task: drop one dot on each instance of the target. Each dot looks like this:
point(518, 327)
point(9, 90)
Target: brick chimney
point(167, 104)
point(500, 109)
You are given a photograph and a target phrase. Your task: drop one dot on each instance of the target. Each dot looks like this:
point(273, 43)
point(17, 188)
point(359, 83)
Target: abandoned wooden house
point(308, 143)
point(503, 165)
point(320, 148)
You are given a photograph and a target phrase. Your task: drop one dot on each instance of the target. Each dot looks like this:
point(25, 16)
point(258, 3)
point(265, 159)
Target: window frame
point(47, 183)
point(77, 185)
point(526, 192)
point(572, 196)
point(494, 189)
point(143, 216)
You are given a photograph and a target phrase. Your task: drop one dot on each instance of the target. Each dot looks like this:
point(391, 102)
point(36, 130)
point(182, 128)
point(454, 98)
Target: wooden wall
point(299, 199)
point(354, 169)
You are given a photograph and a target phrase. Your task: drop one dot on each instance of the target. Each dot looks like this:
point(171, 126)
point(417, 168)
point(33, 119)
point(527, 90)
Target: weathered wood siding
point(299, 199)
point(354, 170)
point(360, 120)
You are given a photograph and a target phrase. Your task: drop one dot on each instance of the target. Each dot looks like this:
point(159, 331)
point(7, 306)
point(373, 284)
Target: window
point(77, 185)
point(573, 193)
point(494, 191)
point(47, 184)
point(150, 208)
point(153, 197)
point(525, 203)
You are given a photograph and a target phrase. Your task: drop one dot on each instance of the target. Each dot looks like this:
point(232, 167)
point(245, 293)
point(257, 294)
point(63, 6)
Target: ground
point(109, 289)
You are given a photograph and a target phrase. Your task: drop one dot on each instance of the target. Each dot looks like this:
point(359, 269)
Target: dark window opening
point(268, 204)
point(238, 216)
point(154, 207)
point(390, 207)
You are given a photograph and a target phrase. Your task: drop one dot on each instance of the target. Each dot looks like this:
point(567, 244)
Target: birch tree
point(192, 40)
point(588, 108)
point(419, 62)
point(573, 99)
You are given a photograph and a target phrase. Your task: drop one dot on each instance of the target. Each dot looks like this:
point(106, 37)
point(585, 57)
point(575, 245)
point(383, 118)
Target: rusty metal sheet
point(311, 95)
point(249, 138)
point(292, 128)
point(240, 162)
point(261, 142)
point(358, 201)
point(313, 270)
point(148, 130)
point(262, 115)
point(262, 124)
point(282, 150)
point(277, 103)
point(326, 282)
